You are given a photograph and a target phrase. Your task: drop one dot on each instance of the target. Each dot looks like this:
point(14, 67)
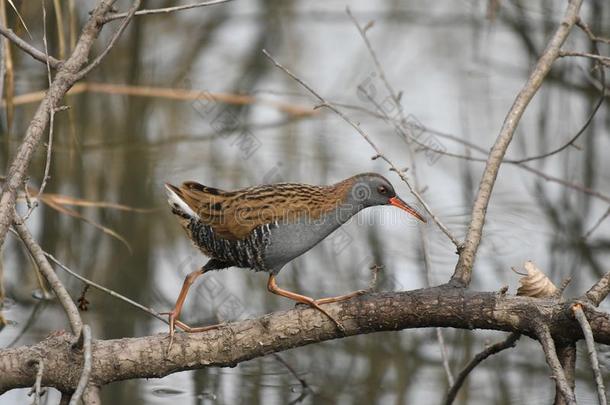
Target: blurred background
point(148, 115)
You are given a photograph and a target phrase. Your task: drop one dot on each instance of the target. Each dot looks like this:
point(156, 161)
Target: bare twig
point(600, 101)
point(567, 358)
point(597, 224)
point(135, 5)
point(574, 186)
point(47, 166)
point(602, 59)
point(47, 271)
point(444, 356)
point(548, 345)
point(586, 331)
point(599, 291)
point(463, 270)
point(84, 376)
point(64, 79)
point(166, 9)
point(507, 343)
point(357, 127)
point(106, 290)
point(37, 388)
point(590, 33)
point(29, 49)
point(305, 388)
point(583, 128)
point(422, 229)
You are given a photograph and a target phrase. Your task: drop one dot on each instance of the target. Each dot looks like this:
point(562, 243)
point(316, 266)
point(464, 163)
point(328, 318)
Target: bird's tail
point(177, 203)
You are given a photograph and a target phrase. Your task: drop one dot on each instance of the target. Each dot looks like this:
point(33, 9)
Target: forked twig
point(401, 174)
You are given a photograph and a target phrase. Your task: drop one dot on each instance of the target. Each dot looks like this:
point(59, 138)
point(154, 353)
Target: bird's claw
point(172, 328)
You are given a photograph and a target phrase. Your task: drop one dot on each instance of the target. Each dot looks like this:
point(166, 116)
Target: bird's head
point(370, 189)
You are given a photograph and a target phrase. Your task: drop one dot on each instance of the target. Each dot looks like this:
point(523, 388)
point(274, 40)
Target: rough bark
point(145, 357)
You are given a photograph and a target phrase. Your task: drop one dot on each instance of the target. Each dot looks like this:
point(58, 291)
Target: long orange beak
point(397, 202)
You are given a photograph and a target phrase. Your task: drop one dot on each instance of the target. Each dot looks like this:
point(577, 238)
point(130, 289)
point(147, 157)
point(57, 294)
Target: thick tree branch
point(145, 357)
point(64, 79)
point(463, 269)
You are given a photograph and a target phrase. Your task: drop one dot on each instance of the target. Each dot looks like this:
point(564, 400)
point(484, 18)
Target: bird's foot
point(314, 304)
point(341, 298)
point(174, 322)
point(173, 318)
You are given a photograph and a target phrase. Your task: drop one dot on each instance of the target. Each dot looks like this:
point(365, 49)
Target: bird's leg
point(175, 313)
point(212, 264)
point(340, 297)
point(272, 287)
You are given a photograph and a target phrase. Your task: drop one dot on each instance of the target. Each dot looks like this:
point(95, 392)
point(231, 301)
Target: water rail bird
point(265, 227)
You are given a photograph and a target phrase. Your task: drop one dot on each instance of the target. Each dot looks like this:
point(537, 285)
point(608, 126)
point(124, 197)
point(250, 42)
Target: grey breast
point(290, 240)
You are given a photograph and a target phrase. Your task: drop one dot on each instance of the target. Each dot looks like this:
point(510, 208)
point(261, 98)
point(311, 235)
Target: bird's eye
point(382, 189)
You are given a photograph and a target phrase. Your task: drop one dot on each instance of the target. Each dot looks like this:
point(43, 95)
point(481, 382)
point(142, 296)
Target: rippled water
point(458, 72)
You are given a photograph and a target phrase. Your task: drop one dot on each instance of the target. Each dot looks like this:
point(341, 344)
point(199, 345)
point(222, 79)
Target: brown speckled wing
point(233, 215)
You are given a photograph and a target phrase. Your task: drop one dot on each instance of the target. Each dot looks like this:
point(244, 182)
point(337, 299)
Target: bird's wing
point(249, 208)
point(234, 214)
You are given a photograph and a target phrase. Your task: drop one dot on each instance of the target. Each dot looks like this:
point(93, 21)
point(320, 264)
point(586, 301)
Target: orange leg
point(175, 313)
point(272, 287)
point(340, 297)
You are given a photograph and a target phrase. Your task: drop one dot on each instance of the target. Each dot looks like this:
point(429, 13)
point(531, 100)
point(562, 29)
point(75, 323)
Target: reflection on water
point(457, 71)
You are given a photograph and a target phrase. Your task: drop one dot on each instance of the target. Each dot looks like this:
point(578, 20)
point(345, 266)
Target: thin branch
point(599, 291)
point(583, 128)
point(37, 388)
point(47, 166)
point(597, 224)
point(84, 377)
point(165, 10)
point(47, 271)
point(590, 33)
point(590, 342)
point(568, 184)
point(574, 186)
point(108, 291)
point(548, 345)
point(602, 59)
point(305, 388)
point(29, 49)
point(378, 152)
point(115, 37)
point(444, 356)
point(422, 229)
point(507, 343)
point(463, 270)
point(64, 79)
point(567, 358)
point(600, 101)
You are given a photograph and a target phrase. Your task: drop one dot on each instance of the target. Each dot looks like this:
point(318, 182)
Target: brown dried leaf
point(535, 283)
